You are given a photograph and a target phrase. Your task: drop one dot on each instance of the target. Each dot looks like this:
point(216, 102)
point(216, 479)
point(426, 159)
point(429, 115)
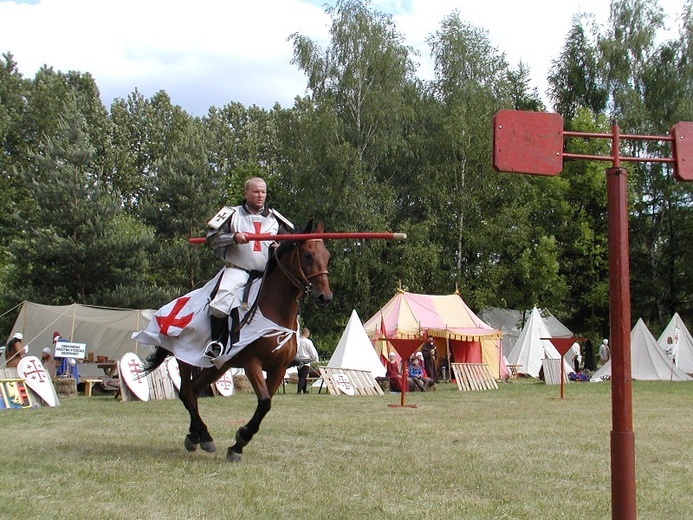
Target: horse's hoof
point(189, 445)
point(232, 456)
point(208, 446)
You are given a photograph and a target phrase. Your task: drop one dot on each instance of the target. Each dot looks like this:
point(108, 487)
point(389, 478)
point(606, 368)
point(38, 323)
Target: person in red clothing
point(394, 373)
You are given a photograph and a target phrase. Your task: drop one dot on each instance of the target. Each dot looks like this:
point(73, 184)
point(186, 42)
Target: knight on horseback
point(244, 261)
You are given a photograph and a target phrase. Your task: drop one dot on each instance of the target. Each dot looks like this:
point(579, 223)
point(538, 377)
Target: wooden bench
point(514, 370)
point(89, 384)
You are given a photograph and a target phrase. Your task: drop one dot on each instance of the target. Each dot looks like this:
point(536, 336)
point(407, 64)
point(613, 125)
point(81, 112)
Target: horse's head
point(304, 263)
point(314, 256)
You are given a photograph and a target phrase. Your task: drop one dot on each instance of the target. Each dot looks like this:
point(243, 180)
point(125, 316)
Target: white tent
point(105, 331)
point(530, 350)
point(681, 343)
point(355, 350)
point(648, 362)
point(509, 322)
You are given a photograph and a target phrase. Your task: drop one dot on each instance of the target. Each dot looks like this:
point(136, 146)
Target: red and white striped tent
point(459, 333)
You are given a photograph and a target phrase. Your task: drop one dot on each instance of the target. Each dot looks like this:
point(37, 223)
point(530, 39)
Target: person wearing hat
point(14, 350)
point(48, 361)
point(394, 373)
point(68, 366)
point(604, 351)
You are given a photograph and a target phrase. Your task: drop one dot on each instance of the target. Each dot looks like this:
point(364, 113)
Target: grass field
point(519, 452)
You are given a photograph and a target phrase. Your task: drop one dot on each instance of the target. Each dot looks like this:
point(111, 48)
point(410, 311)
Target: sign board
point(70, 350)
point(682, 148)
point(528, 142)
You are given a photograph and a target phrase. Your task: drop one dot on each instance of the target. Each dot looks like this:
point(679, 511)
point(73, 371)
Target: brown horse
point(295, 270)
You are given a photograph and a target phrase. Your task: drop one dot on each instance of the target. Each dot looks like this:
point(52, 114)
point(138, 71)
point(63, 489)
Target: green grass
point(519, 452)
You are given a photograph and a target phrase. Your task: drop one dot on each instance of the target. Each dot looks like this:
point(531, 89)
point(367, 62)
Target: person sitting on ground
point(394, 374)
point(416, 374)
point(430, 383)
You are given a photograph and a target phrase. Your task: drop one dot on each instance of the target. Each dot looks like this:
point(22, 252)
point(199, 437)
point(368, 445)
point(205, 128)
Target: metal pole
point(622, 436)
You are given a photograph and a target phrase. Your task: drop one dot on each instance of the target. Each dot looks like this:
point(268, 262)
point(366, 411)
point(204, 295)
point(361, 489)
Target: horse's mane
point(286, 245)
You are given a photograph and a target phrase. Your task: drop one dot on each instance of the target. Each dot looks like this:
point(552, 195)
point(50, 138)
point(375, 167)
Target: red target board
point(682, 147)
point(528, 142)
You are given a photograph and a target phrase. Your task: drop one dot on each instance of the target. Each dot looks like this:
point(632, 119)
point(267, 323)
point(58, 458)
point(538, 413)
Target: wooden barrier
point(552, 372)
point(160, 384)
point(473, 376)
point(349, 382)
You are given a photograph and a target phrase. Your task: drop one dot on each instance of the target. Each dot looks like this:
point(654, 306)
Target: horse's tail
point(155, 359)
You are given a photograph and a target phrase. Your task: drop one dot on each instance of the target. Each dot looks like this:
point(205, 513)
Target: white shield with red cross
point(131, 372)
point(225, 384)
point(35, 376)
point(173, 371)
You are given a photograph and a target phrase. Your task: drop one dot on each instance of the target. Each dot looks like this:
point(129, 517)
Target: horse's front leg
point(192, 384)
point(264, 391)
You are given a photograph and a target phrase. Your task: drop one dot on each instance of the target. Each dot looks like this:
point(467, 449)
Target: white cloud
point(212, 52)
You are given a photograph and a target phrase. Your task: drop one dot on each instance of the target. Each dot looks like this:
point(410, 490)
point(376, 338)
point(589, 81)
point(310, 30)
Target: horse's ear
point(319, 228)
point(308, 228)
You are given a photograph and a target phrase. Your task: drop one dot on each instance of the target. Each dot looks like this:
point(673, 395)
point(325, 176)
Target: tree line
point(99, 202)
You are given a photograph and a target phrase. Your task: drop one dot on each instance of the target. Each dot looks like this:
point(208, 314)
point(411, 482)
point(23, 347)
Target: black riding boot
point(220, 336)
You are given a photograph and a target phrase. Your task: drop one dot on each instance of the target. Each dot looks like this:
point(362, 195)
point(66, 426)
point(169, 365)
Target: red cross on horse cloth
point(170, 324)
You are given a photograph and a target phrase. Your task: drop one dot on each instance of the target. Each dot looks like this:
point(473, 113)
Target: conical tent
point(355, 350)
point(459, 333)
point(677, 339)
point(510, 323)
point(530, 349)
point(648, 362)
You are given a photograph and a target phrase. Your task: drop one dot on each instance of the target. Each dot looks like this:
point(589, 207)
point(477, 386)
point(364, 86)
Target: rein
point(303, 285)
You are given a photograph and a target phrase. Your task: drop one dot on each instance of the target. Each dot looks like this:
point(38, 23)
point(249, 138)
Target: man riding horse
point(244, 261)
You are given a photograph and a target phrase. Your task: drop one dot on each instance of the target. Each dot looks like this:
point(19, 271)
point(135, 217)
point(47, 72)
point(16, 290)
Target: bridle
point(303, 283)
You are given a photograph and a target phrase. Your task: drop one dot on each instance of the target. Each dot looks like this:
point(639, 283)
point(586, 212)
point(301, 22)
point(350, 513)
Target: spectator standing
point(604, 351)
point(305, 353)
point(14, 351)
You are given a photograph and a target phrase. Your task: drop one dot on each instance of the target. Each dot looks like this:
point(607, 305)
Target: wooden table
point(513, 370)
point(109, 367)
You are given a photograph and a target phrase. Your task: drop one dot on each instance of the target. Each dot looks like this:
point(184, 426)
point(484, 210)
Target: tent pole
point(74, 317)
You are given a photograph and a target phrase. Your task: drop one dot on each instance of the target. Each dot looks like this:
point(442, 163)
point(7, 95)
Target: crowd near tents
point(105, 331)
point(402, 324)
point(648, 360)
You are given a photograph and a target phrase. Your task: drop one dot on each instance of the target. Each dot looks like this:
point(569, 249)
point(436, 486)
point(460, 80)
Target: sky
point(213, 52)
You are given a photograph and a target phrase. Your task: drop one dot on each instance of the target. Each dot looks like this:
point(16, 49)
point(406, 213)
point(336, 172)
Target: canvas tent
point(681, 342)
point(355, 350)
point(459, 333)
point(530, 349)
point(510, 323)
point(105, 331)
point(648, 362)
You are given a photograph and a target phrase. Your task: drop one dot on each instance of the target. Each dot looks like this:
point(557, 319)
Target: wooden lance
point(312, 236)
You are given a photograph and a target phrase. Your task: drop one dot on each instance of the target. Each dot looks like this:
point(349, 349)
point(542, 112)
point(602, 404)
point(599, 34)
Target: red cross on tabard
point(172, 319)
point(258, 230)
point(37, 373)
point(134, 367)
